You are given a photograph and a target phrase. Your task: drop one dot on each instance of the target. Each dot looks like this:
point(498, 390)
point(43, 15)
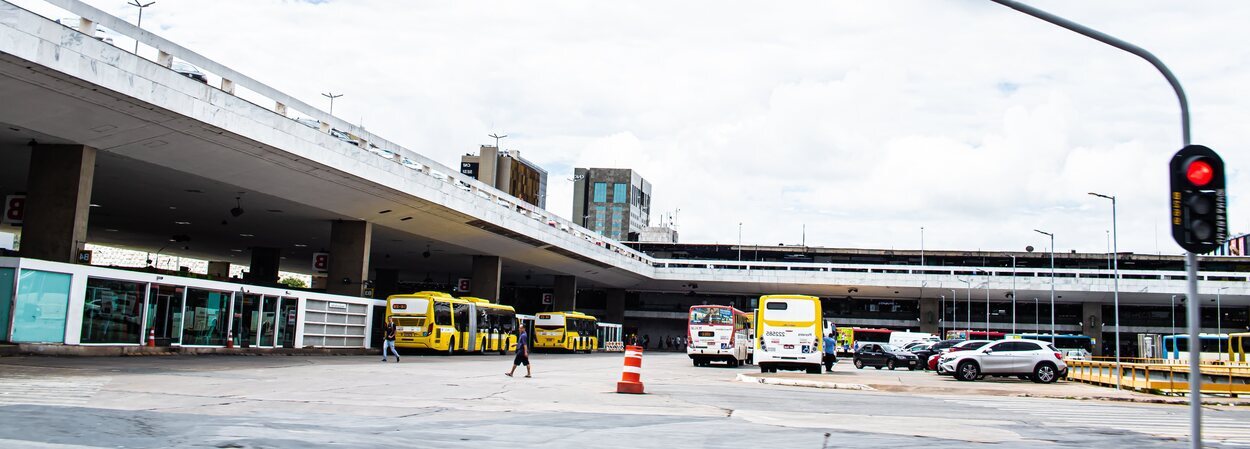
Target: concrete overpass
point(164, 158)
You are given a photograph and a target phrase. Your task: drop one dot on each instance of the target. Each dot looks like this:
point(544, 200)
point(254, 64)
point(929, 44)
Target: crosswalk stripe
point(49, 390)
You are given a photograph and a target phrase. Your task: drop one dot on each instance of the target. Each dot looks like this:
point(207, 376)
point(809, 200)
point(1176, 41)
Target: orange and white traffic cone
point(230, 339)
point(631, 373)
point(151, 338)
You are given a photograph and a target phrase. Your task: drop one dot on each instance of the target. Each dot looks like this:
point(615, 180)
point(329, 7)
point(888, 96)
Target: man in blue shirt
point(831, 352)
point(522, 353)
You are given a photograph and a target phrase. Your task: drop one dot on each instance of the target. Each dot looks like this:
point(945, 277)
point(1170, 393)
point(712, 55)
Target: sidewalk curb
point(749, 378)
point(53, 350)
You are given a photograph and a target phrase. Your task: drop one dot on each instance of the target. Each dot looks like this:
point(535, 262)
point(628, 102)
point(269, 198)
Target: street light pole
point(331, 96)
point(1013, 294)
point(1219, 327)
point(942, 329)
point(1052, 283)
point(922, 246)
point(1191, 259)
point(954, 309)
point(740, 241)
point(139, 24)
point(1173, 314)
point(1115, 264)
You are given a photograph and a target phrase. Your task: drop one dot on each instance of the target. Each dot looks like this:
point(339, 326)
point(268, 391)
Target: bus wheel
point(451, 346)
point(813, 370)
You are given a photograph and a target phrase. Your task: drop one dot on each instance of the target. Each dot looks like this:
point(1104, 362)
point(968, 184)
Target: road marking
point(1155, 421)
point(49, 390)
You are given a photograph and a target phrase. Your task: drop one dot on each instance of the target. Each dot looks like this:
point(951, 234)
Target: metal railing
point(1170, 378)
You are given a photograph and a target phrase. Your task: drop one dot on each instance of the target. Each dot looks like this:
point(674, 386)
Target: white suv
point(1036, 360)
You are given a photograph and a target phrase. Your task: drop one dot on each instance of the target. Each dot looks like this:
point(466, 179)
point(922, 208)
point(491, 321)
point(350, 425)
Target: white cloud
point(864, 121)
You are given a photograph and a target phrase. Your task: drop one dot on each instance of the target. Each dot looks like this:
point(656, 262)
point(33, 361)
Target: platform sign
point(463, 284)
point(14, 209)
point(547, 298)
point(321, 262)
point(84, 257)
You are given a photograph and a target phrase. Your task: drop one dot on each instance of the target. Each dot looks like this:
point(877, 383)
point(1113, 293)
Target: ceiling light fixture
point(238, 208)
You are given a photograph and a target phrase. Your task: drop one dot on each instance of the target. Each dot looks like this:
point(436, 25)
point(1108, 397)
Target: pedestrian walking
point(646, 340)
point(522, 354)
point(831, 352)
point(389, 341)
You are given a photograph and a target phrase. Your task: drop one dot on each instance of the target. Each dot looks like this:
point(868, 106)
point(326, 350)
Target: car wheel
point(859, 364)
point(1045, 373)
point(911, 368)
point(967, 371)
point(877, 367)
point(890, 364)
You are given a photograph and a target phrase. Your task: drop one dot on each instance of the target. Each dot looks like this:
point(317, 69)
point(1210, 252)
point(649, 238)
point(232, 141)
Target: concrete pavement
point(466, 401)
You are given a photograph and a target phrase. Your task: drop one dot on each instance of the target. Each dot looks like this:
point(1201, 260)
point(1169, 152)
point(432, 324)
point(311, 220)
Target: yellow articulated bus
point(495, 324)
point(787, 333)
point(569, 331)
point(437, 321)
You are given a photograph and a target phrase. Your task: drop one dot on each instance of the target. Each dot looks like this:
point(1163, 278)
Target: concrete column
point(929, 314)
point(485, 283)
point(385, 283)
point(58, 201)
point(1091, 325)
point(565, 294)
point(615, 306)
point(219, 269)
point(349, 257)
point(264, 266)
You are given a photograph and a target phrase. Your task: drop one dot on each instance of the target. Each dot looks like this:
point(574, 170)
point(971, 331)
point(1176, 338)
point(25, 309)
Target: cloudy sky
point(863, 121)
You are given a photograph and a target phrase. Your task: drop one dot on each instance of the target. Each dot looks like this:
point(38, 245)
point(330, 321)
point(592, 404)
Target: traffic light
point(1198, 199)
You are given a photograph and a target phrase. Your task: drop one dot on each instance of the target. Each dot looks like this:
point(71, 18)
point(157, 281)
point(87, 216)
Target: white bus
point(718, 334)
point(787, 333)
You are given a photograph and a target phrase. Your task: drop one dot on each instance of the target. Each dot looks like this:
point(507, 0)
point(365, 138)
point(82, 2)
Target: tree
point(293, 282)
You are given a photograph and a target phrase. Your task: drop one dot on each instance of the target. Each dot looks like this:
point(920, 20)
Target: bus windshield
point(711, 315)
point(549, 321)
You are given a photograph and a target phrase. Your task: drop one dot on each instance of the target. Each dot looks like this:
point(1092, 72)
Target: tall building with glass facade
point(509, 172)
point(615, 202)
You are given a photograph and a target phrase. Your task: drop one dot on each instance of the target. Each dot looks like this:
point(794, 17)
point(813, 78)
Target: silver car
point(1036, 360)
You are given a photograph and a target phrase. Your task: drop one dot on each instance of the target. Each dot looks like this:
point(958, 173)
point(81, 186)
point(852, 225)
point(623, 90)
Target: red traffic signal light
point(1198, 199)
point(1199, 172)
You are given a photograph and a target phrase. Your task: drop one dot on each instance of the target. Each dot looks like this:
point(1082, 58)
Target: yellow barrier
point(1162, 378)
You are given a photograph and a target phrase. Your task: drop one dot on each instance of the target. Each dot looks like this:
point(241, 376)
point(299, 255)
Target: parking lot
point(466, 401)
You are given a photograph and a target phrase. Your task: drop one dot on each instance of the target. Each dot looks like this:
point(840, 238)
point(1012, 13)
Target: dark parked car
point(928, 351)
point(878, 355)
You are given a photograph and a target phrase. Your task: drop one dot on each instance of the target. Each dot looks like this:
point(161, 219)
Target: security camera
point(236, 212)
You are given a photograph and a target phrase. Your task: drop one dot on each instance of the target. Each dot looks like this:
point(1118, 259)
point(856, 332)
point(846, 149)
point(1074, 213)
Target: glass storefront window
point(112, 311)
point(286, 322)
point(39, 307)
point(165, 314)
point(204, 318)
point(245, 318)
point(267, 317)
point(6, 300)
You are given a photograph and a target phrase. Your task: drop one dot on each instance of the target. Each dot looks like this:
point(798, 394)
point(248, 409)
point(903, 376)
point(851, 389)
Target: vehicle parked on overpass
point(787, 329)
point(190, 71)
point(882, 355)
point(1036, 360)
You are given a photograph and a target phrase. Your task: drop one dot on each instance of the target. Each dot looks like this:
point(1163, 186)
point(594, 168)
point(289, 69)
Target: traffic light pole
point(1191, 259)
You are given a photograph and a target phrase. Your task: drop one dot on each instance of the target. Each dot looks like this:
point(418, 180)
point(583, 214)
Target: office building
point(615, 202)
point(509, 172)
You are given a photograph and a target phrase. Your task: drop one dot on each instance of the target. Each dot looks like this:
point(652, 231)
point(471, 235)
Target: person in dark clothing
point(522, 354)
point(389, 341)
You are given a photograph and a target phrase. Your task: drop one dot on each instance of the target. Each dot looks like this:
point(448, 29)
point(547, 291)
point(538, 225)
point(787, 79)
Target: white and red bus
point(718, 333)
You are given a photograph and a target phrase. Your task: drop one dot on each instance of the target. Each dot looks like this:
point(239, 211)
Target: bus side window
point(442, 313)
point(462, 317)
